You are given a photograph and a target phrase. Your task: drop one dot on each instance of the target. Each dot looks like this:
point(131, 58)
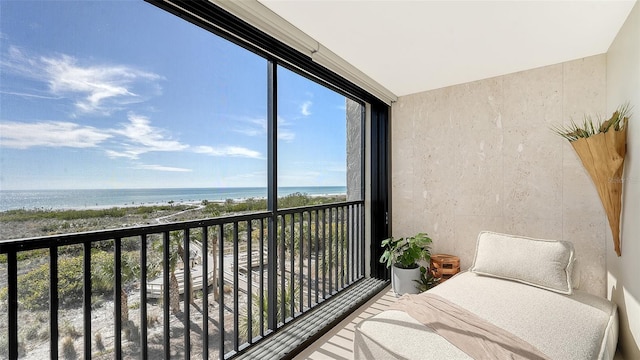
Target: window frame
point(218, 21)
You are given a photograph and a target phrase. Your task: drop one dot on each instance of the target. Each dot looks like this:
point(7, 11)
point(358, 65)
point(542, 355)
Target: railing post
point(186, 275)
point(117, 298)
point(53, 300)
point(281, 267)
point(261, 284)
point(205, 292)
point(86, 270)
point(12, 301)
point(144, 352)
point(221, 327)
point(272, 194)
point(166, 301)
point(249, 284)
point(236, 279)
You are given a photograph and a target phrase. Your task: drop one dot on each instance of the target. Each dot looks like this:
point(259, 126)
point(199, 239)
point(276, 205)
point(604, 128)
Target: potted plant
point(427, 279)
point(602, 146)
point(402, 256)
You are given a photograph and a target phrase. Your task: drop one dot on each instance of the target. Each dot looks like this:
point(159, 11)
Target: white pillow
point(542, 263)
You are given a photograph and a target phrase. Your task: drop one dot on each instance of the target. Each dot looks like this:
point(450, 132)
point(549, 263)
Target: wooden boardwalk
point(155, 287)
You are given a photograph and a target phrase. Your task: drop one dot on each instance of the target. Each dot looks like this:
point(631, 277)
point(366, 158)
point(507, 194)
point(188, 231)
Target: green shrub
point(24, 255)
point(38, 214)
point(142, 210)
point(102, 269)
point(33, 286)
point(135, 305)
point(293, 200)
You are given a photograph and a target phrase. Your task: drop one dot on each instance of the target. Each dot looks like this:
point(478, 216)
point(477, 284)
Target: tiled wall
point(481, 156)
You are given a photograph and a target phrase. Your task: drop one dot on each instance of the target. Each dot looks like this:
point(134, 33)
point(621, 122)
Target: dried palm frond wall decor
point(602, 146)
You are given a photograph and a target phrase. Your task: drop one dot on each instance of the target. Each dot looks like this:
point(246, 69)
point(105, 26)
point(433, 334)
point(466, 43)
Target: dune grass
point(591, 126)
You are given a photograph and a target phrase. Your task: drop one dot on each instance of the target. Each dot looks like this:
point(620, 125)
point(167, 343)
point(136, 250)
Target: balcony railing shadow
point(140, 292)
point(338, 342)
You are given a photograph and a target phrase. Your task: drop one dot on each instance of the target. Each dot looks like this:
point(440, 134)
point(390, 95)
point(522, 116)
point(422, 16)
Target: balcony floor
point(338, 342)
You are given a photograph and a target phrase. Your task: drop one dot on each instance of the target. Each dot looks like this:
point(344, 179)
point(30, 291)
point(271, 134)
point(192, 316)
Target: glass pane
point(119, 114)
point(121, 104)
point(319, 143)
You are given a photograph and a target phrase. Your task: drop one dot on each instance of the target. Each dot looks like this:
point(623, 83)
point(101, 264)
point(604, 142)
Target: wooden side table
point(444, 266)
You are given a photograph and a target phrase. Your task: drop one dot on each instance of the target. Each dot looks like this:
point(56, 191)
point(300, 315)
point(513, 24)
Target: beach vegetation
point(33, 286)
point(69, 329)
point(30, 332)
point(98, 340)
point(68, 215)
point(131, 331)
point(68, 348)
point(4, 343)
point(230, 206)
point(26, 255)
point(288, 297)
point(297, 199)
point(152, 320)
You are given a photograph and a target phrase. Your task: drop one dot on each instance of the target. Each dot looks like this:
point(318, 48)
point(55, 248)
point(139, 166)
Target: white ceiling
point(413, 46)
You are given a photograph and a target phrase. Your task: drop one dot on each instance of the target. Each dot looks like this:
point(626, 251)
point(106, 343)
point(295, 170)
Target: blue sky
point(120, 94)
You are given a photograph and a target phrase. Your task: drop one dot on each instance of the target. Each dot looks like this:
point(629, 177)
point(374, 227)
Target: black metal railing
point(204, 289)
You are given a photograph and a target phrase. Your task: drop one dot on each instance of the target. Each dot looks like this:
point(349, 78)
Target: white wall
point(623, 84)
point(481, 156)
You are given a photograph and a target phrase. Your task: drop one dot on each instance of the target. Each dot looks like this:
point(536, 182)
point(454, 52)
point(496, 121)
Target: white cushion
point(542, 263)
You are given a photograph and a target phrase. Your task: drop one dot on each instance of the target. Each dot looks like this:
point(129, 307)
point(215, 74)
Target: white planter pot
point(403, 281)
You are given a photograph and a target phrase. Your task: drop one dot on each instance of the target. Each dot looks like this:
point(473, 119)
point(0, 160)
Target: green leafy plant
point(427, 280)
point(406, 252)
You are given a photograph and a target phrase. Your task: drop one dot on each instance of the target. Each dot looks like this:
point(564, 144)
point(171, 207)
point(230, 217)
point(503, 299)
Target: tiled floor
point(338, 343)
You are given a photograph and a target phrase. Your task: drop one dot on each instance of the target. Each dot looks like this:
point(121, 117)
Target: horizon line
point(173, 188)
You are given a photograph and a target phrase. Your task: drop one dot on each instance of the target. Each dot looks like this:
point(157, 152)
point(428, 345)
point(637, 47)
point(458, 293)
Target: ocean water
point(92, 199)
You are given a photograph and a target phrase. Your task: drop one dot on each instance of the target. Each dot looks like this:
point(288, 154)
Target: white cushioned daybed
point(515, 302)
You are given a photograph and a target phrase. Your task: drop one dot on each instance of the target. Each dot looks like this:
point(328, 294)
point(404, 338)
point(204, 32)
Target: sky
point(121, 94)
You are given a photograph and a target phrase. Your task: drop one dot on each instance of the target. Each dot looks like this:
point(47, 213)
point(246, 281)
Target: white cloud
point(252, 126)
point(286, 135)
point(26, 95)
point(141, 137)
point(129, 141)
point(258, 127)
point(228, 151)
point(305, 108)
point(102, 86)
point(18, 135)
point(121, 154)
point(162, 168)
point(94, 88)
